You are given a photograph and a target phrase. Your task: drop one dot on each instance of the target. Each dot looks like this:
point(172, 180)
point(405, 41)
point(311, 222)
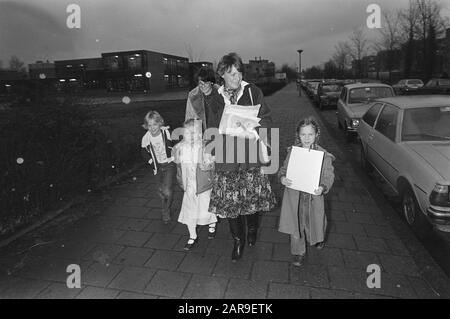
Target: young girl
point(157, 151)
point(194, 174)
point(302, 214)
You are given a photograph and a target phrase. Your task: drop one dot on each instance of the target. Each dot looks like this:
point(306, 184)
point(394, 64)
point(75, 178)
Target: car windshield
point(426, 124)
point(367, 94)
point(415, 82)
point(331, 88)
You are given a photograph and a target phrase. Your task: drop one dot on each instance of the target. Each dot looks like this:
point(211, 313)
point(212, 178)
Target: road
point(436, 242)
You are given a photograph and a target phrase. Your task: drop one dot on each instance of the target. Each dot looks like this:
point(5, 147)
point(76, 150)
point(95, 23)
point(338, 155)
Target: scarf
point(232, 93)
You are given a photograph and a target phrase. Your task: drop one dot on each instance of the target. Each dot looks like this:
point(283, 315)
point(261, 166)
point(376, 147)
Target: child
point(194, 174)
point(302, 214)
point(157, 151)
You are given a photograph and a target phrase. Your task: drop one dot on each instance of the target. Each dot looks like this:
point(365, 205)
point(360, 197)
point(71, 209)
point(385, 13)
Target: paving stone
point(284, 291)
point(320, 293)
point(376, 245)
point(399, 265)
point(104, 253)
point(282, 252)
point(198, 264)
point(350, 280)
point(59, 291)
point(132, 279)
point(261, 251)
point(270, 271)
point(348, 228)
point(376, 231)
point(205, 287)
point(98, 293)
point(335, 215)
point(220, 247)
point(342, 206)
point(127, 211)
point(165, 260)
point(423, 289)
point(100, 275)
point(168, 283)
point(105, 236)
point(272, 236)
point(153, 203)
point(398, 248)
point(133, 256)
point(134, 238)
point(327, 256)
point(139, 202)
point(133, 295)
point(225, 268)
point(340, 241)
point(359, 259)
point(157, 226)
point(246, 289)
point(359, 218)
point(309, 275)
point(20, 288)
point(162, 241)
point(136, 224)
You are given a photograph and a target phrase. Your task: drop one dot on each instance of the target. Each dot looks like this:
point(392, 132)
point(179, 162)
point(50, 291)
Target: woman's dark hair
point(206, 74)
point(227, 63)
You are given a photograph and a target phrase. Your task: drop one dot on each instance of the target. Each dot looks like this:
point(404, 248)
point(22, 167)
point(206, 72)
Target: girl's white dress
point(194, 209)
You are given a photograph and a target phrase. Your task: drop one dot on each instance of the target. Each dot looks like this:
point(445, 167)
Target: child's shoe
point(191, 243)
point(320, 245)
point(298, 260)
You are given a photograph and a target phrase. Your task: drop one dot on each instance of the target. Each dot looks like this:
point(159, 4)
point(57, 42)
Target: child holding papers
point(303, 214)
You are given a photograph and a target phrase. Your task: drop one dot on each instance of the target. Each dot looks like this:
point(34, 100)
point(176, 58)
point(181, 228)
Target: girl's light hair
point(152, 115)
point(305, 122)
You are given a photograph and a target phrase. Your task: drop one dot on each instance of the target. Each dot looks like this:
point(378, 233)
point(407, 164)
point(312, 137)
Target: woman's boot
point(252, 228)
point(237, 231)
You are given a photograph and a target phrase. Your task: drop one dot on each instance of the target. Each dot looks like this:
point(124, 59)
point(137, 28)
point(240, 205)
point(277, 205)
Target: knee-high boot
point(237, 231)
point(252, 228)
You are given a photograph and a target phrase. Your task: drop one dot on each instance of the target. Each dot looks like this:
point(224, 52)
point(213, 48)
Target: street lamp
point(299, 72)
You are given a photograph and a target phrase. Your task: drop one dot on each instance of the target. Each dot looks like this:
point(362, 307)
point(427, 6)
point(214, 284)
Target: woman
point(195, 106)
point(240, 188)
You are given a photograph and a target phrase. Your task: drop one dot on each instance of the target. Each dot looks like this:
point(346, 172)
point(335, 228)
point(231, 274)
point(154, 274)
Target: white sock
point(212, 226)
point(192, 231)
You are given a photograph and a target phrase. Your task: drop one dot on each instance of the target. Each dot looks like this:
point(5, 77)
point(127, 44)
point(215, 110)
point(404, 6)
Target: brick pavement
point(125, 251)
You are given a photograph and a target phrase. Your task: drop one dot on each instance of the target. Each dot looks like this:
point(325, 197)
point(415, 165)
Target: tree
point(291, 74)
point(16, 64)
point(192, 55)
point(330, 70)
point(390, 38)
point(431, 25)
point(341, 58)
point(358, 47)
point(408, 21)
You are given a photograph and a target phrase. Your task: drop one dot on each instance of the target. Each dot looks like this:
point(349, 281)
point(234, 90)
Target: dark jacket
point(214, 107)
point(148, 152)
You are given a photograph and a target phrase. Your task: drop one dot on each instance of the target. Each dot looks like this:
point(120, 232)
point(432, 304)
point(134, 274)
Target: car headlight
point(440, 195)
point(355, 122)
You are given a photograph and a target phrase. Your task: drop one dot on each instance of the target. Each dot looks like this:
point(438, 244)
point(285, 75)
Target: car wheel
point(365, 165)
point(412, 213)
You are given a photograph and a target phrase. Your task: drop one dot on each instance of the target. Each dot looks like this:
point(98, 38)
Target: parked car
point(312, 88)
point(328, 94)
point(436, 86)
point(355, 100)
point(407, 140)
point(407, 86)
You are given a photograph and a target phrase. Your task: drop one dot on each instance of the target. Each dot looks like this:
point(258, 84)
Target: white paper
point(236, 119)
point(304, 169)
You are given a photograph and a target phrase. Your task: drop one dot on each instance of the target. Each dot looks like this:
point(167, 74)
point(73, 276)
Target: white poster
point(304, 168)
point(236, 119)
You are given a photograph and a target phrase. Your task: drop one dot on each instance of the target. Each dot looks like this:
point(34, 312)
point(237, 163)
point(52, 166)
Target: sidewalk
point(125, 251)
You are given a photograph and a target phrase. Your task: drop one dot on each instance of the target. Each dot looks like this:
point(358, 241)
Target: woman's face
point(232, 78)
point(205, 87)
point(308, 135)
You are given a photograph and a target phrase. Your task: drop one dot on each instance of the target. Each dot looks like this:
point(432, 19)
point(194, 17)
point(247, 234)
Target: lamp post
point(299, 72)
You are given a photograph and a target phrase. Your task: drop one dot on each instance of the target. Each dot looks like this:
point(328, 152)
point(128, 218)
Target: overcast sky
point(273, 29)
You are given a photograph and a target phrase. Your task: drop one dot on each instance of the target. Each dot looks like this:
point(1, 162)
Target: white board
point(304, 169)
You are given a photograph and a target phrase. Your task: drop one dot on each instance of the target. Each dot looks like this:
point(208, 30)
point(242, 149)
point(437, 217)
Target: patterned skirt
point(242, 192)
